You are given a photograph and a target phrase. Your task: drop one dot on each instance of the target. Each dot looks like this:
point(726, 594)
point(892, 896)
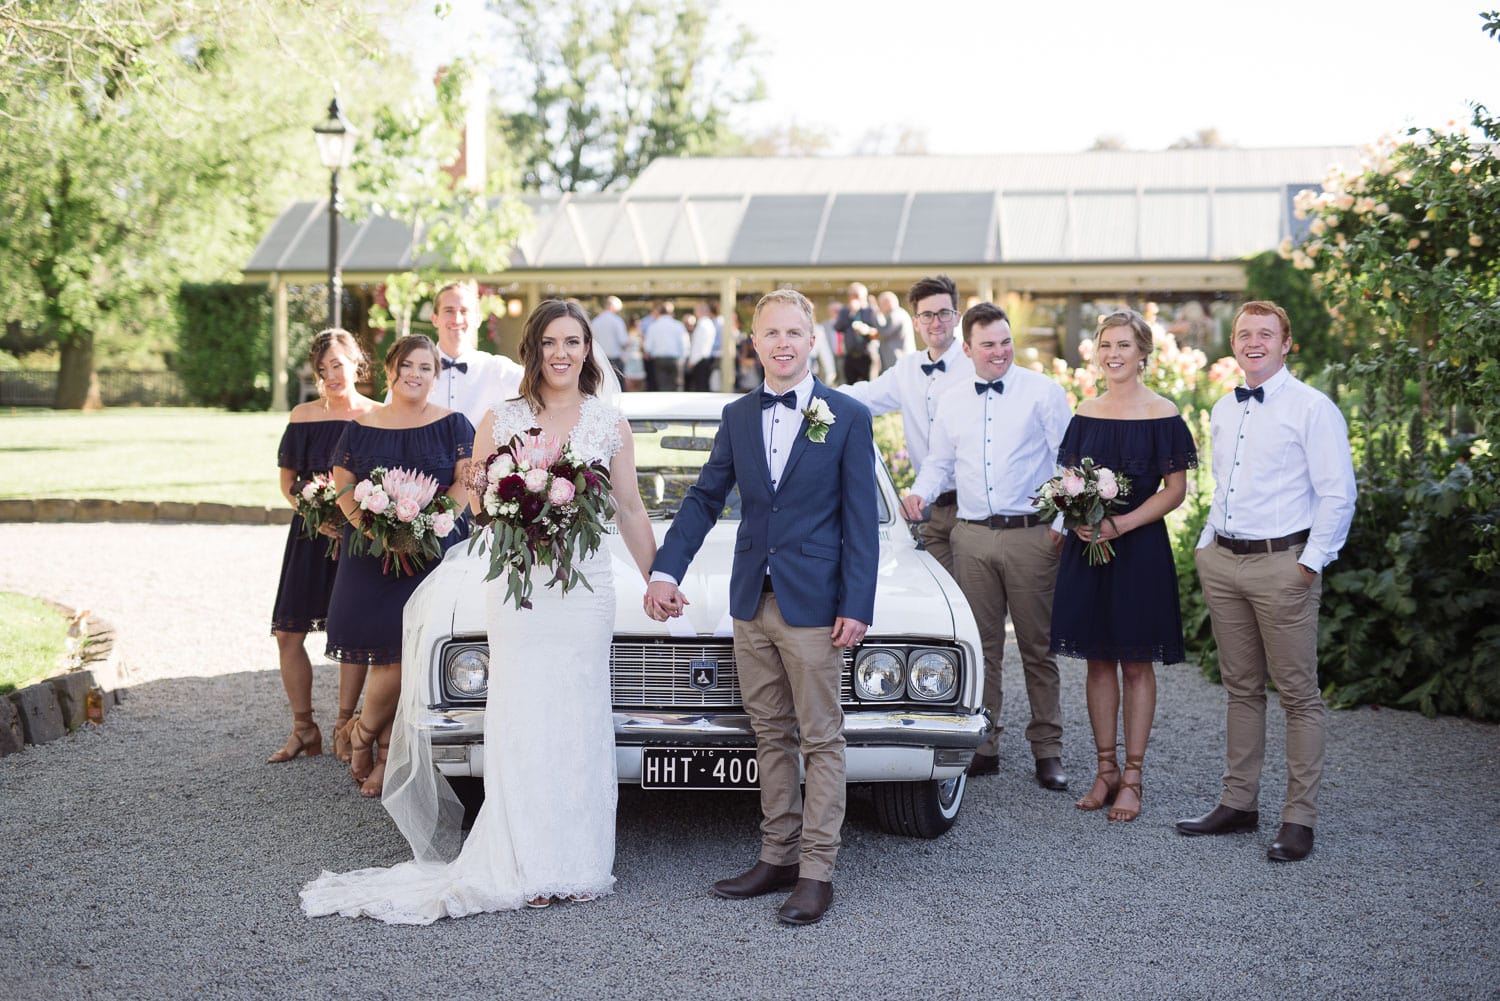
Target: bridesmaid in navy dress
point(364, 616)
point(1124, 612)
point(307, 573)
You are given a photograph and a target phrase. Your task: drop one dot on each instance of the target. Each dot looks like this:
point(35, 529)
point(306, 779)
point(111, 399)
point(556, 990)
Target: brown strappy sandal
point(1095, 798)
point(1125, 814)
point(306, 739)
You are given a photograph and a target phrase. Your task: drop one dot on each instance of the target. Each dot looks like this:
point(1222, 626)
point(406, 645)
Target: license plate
point(699, 768)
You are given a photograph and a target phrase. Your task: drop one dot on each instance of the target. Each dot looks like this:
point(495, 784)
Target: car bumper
point(882, 745)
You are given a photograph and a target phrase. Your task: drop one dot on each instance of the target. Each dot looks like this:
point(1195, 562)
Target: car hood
point(910, 598)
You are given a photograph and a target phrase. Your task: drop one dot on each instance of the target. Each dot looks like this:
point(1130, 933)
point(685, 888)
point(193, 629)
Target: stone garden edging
point(58, 509)
point(56, 706)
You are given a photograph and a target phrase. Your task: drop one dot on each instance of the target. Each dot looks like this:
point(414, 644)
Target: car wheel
point(918, 809)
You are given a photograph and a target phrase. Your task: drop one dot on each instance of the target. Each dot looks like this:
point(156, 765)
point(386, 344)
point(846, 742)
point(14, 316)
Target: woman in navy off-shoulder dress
point(1125, 611)
point(307, 573)
point(364, 616)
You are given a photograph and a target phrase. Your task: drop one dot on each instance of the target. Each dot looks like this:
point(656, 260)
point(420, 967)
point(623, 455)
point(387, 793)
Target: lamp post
point(336, 149)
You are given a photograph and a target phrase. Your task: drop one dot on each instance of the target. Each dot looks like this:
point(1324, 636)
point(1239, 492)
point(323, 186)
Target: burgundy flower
point(531, 506)
point(511, 488)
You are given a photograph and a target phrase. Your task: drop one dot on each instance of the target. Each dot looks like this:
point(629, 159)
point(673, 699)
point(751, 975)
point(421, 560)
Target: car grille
point(657, 673)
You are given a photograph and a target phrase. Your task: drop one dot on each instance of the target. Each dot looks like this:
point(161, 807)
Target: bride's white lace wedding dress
point(547, 826)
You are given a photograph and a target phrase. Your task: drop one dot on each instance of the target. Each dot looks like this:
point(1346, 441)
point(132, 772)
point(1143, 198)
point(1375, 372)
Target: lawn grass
point(33, 638)
point(147, 454)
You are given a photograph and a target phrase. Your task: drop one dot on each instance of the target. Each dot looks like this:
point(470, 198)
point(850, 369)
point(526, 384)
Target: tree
point(1109, 143)
point(889, 140)
point(613, 84)
point(149, 142)
point(1208, 138)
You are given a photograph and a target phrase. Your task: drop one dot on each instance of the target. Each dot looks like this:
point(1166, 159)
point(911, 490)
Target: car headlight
point(467, 673)
point(933, 676)
point(878, 674)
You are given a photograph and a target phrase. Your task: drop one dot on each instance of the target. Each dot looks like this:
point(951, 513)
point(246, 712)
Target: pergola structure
point(1128, 224)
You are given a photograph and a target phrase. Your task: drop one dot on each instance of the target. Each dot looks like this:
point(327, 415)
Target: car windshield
point(668, 456)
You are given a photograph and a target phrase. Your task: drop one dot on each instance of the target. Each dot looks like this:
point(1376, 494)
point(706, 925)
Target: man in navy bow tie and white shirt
point(997, 438)
point(470, 381)
point(1283, 499)
point(914, 384)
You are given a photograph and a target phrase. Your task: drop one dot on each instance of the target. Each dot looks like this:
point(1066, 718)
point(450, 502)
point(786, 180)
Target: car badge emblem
point(703, 674)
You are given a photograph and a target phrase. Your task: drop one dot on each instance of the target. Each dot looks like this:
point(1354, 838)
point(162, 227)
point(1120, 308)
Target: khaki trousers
point(1265, 621)
point(1014, 571)
point(936, 534)
point(790, 678)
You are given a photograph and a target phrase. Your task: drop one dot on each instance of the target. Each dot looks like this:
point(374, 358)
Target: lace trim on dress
point(1155, 654)
point(298, 625)
point(596, 436)
point(1172, 449)
point(368, 656)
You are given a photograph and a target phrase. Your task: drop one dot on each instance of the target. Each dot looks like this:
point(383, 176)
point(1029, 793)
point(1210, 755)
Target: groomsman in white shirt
point(1283, 500)
point(470, 381)
point(997, 439)
point(913, 386)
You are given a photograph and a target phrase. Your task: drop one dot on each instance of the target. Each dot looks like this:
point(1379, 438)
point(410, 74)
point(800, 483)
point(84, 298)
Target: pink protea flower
point(561, 492)
point(536, 480)
point(402, 484)
point(538, 450)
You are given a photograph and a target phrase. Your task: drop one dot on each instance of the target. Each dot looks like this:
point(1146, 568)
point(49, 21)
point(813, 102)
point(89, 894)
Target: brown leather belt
point(1247, 547)
point(1006, 521)
point(948, 499)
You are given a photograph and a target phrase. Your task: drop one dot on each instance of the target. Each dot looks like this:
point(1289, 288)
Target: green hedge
point(223, 344)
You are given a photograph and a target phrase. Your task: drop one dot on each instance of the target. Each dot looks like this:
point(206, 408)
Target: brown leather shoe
point(1293, 843)
point(807, 904)
point(761, 878)
point(1050, 774)
point(1220, 820)
point(984, 764)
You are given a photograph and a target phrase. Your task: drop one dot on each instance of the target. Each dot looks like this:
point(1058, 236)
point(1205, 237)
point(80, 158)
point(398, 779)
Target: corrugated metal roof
point(1179, 205)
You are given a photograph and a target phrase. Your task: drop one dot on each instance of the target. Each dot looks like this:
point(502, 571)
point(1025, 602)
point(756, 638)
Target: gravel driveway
point(158, 857)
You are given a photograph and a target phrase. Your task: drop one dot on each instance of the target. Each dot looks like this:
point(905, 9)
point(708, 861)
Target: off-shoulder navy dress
point(364, 617)
point(1127, 609)
point(306, 571)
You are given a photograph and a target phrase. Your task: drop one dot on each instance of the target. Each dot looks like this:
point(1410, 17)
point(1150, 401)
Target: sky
point(999, 76)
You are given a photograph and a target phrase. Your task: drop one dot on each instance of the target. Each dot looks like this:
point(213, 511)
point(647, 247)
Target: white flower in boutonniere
point(819, 419)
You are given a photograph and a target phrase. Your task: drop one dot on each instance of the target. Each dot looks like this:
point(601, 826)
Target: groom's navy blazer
point(818, 531)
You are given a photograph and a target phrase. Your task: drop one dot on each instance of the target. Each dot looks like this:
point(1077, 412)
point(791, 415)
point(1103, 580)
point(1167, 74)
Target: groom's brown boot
point(761, 878)
point(808, 902)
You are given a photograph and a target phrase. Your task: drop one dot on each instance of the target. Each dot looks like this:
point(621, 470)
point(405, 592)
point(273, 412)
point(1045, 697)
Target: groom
point(802, 589)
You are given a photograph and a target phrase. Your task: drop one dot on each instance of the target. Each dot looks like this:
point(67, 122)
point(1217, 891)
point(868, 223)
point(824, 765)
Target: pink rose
point(502, 467)
point(362, 491)
point(1072, 484)
point(310, 491)
point(536, 480)
point(561, 492)
point(376, 502)
point(1108, 490)
point(407, 510)
point(442, 524)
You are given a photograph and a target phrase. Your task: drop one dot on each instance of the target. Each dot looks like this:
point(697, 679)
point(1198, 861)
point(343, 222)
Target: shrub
point(224, 344)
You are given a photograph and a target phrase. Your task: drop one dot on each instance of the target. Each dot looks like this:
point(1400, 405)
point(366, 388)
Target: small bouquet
point(543, 506)
point(1083, 494)
point(405, 519)
point(317, 503)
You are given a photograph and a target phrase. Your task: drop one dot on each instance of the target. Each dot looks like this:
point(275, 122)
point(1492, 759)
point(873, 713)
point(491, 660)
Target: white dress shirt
point(905, 387)
point(490, 379)
point(609, 330)
point(667, 338)
point(701, 345)
point(997, 447)
point(1281, 466)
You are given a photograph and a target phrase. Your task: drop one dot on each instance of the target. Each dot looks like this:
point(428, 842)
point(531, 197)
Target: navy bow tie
point(462, 366)
point(998, 386)
point(937, 366)
point(787, 399)
point(1241, 394)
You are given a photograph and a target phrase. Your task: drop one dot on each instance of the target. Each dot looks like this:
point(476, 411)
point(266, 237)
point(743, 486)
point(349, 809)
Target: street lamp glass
point(335, 138)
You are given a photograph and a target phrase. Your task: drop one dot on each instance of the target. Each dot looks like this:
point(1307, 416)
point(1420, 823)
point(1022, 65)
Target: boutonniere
point(819, 419)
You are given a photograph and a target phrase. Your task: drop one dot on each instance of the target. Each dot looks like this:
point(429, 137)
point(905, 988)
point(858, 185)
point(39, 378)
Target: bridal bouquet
point(1083, 495)
point(405, 519)
point(317, 503)
point(544, 506)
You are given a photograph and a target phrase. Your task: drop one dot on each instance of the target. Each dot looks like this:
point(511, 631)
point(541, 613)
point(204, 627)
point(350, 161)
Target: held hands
point(664, 600)
point(848, 632)
point(1106, 531)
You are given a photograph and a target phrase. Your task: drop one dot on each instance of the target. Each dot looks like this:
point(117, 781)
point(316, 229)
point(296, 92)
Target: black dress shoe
point(1220, 820)
point(807, 904)
point(984, 764)
point(1050, 774)
point(1293, 843)
point(761, 878)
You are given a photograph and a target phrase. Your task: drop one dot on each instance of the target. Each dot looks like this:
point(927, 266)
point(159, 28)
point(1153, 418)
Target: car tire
point(918, 809)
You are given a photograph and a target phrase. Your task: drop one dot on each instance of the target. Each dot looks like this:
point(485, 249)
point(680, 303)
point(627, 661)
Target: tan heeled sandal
point(341, 742)
point(1095, 798)
point(306, 739)
point(361, 753)
point(374, 785)
point(1125, 814)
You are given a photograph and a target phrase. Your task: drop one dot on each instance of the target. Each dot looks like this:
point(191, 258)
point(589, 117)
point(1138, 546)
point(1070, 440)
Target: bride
point(546, 830)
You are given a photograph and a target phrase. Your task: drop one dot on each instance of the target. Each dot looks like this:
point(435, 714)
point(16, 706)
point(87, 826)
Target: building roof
point(876, 211)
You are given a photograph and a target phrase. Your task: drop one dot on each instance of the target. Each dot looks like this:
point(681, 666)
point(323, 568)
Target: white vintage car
point(911, 692)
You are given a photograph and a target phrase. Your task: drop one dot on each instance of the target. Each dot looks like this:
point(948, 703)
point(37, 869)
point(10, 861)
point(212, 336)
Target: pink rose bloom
point(1105, 475)
point(362, 491)
point(1072, 484)
point(561, 492)
point(442, 524)
point(310, 491)
point(502, 467)
point(536, 480)
point(1109, 489)
point(407, 510)
point(376, 502)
